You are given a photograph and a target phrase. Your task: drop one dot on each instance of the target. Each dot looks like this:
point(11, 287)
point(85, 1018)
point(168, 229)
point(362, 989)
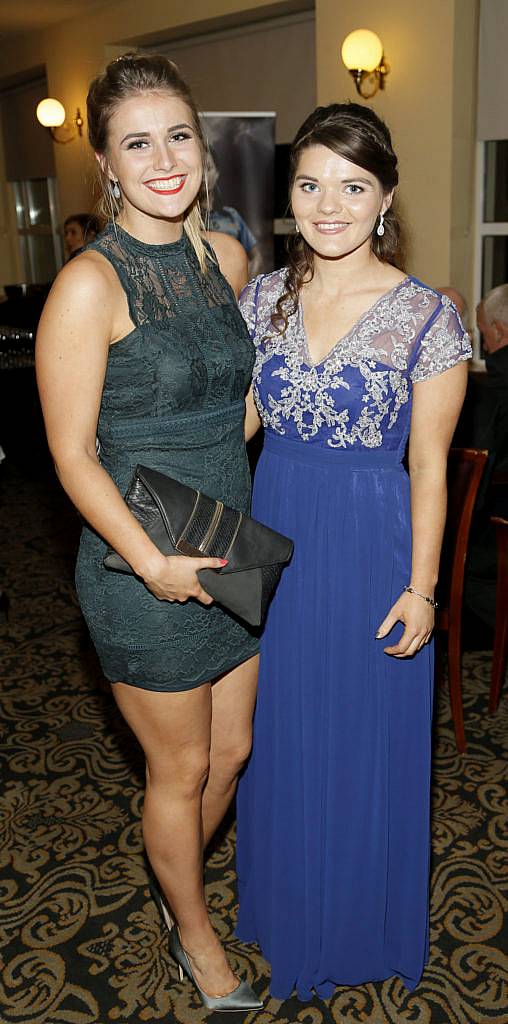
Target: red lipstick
point(181, 179)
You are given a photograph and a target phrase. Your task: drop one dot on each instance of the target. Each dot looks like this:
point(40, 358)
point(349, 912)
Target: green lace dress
point(173, 400)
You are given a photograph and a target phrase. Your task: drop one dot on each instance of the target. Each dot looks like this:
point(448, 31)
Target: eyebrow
point(146, 135)
point(345, 181)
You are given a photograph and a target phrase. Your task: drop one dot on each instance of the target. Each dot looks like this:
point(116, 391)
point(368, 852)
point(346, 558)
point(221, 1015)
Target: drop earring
point(380, 230)
point(297, 229)
point(115, 190)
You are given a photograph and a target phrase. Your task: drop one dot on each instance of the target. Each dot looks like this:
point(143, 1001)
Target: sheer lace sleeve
point(443, 345)
point(248, 303)
point(257, 303)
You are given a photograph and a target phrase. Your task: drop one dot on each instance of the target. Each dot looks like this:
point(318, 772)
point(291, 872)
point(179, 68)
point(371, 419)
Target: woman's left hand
point(418, 618)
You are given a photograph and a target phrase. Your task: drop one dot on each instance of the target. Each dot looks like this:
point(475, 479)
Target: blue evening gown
point(333, 808)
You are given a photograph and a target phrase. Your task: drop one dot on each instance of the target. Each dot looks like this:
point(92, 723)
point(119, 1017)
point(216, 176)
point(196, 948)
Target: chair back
point(464, 473)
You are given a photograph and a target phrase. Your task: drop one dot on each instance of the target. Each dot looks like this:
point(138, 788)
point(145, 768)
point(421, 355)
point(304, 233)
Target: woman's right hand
point(174, 578)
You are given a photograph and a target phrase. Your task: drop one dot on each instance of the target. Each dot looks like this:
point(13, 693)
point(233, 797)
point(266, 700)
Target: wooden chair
point(465, 469)
point(500, 652)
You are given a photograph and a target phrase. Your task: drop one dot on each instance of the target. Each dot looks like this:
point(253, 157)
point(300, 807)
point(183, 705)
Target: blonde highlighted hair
point(124, 77)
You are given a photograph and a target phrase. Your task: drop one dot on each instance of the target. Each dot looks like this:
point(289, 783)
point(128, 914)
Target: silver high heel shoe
point(160, 902)
point(241, 998)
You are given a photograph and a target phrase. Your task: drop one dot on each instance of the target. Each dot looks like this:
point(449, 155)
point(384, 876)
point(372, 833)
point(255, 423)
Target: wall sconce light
point(362, 53)
point(51, 114)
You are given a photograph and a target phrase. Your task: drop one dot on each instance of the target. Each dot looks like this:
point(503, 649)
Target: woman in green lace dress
point(143, 356)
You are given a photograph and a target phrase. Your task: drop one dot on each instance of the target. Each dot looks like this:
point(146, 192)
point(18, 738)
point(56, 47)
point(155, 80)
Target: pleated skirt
point(333, 807)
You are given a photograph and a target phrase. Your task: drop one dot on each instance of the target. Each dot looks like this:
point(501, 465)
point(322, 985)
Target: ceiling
point(30, 15)
point(23, 16)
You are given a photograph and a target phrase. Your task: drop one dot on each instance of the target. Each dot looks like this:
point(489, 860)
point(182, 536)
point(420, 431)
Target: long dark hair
point(126, 76)
point(356, 133)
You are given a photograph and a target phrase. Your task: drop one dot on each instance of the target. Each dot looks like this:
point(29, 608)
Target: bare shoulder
point(225, 245)
point(391, 276)
point(85, 279)
point(231, 257)
point(79, 310)
point(82, 295)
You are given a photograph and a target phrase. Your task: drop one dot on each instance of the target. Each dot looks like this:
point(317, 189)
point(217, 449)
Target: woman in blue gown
point(354, 358)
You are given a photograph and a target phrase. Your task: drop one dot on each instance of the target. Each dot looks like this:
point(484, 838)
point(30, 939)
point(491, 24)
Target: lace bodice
point(189, 350)
point(360, 394)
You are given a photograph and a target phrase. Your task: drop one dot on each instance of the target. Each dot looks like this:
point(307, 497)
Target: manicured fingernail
point(223, 561)
point(378, 635)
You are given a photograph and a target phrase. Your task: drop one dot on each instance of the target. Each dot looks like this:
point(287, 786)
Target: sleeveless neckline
point(157, 251)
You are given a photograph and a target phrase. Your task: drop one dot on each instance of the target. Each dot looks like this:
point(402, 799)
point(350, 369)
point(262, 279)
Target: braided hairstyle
point(130, 75)
point(356, 133)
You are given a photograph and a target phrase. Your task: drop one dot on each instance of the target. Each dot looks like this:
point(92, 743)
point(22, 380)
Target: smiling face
point(335, 203)
point(154, 153)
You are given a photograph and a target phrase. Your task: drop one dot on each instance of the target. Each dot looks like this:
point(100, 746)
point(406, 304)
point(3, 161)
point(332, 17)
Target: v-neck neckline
point(308, 358)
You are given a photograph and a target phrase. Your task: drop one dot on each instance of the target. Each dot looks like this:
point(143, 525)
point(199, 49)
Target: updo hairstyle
point(130, 75)
point(356, 133)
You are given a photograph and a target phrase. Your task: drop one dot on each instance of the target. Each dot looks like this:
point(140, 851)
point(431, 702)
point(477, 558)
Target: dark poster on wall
point(241, 176)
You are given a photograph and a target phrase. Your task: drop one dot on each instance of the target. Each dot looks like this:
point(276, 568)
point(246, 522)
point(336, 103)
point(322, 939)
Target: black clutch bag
point(183, 521)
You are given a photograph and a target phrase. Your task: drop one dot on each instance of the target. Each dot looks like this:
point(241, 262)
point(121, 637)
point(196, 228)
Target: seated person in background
point(79, 229)
point(457, 299)
point(490, 431)
point(491, 420)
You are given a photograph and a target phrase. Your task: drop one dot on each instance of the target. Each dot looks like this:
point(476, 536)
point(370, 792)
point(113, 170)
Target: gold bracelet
point(429, 600)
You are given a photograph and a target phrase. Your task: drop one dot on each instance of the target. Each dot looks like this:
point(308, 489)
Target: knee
point(193, 772)
point(185, 774)
point(232, 758)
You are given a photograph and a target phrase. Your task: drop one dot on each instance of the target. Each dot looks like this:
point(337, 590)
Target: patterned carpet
point(80, 940)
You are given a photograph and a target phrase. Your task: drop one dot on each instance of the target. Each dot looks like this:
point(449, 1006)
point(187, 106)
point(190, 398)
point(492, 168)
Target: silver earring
point(380, 230)
point(297, 229)
point(115, 190)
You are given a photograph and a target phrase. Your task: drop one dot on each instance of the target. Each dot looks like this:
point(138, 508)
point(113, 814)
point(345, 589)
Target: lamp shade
point(50, 113)
point(362, 50)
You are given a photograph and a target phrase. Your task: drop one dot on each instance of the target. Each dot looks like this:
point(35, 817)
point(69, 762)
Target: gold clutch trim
point(235, 535)
point(189, 521)
point(188, 549)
